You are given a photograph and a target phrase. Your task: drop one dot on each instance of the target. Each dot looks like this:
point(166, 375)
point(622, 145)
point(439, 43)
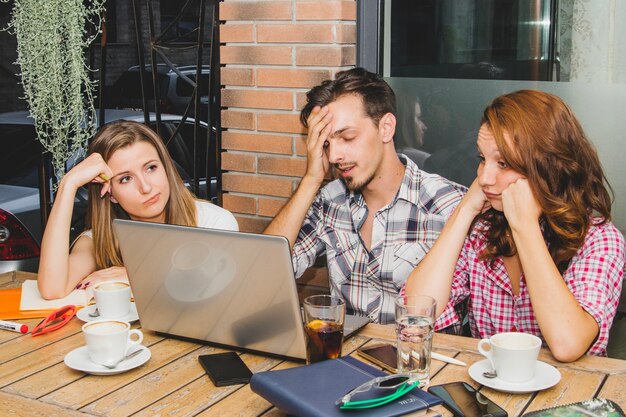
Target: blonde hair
point(180, 208)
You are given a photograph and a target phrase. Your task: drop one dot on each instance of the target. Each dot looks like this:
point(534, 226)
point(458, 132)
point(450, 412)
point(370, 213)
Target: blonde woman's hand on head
point(91, 169)
point(114, 273)
point(520, 205)
point(320, 126)
point(58, 271)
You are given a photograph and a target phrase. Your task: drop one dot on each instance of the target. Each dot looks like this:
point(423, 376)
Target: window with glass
point(447, 59)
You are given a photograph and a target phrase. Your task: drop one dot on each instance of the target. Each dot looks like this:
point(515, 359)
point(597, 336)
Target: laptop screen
point(227, 288)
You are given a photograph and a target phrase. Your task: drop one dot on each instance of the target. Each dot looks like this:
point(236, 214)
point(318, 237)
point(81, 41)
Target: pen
point(14, 327)
point(439, 357)
point(448, 359)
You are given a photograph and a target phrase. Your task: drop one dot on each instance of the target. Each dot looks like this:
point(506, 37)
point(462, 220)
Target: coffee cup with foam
point(109, 341)
point(512, 355)
point(112, 299)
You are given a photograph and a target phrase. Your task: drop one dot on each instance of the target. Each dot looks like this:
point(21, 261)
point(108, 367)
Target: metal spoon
point(94, 313)
point(130, 355)
point(490, 374)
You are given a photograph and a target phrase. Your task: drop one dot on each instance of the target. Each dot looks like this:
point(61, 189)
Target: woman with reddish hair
point(531, 246)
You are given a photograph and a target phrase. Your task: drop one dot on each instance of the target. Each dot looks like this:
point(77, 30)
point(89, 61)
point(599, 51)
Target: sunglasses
point(55, 320)
point(400, 384)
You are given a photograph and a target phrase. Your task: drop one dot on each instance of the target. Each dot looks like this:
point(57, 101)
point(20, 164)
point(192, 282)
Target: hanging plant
point(52, 38)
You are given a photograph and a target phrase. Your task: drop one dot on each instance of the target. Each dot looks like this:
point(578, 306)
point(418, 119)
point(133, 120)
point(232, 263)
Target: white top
point(208, 216)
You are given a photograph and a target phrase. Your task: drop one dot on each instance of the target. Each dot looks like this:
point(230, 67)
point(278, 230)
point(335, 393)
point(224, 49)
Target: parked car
point(175, 92)
point(20, 217)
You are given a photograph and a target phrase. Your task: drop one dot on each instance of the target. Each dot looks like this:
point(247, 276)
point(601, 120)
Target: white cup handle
point(487, 353)
point(132, 343)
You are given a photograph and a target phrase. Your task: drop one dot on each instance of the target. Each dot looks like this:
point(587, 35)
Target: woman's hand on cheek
point(475, 199)
point(91, 169)
point(519, 204)
point(114, 273)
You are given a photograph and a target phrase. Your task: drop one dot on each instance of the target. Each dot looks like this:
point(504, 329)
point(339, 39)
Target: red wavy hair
point(547, 145)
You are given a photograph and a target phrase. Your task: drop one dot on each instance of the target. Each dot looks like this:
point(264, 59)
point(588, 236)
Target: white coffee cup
point(512, 355)
point(108, 341)
point(112, 299)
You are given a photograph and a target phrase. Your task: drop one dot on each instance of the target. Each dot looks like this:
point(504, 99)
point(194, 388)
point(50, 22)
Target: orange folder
point(10, 306)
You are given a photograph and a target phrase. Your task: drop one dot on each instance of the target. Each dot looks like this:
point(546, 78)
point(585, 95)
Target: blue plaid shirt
point(402, 233)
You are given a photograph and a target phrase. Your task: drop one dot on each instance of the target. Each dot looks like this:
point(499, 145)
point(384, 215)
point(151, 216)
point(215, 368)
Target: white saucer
point(546, 376)
point(79, 359)
point(83, 314)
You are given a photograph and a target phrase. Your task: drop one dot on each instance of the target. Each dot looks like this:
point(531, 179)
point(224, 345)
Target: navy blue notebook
point(311, 391)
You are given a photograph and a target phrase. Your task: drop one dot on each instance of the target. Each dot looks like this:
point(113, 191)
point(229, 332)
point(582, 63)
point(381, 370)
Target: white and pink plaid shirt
point(594, 276)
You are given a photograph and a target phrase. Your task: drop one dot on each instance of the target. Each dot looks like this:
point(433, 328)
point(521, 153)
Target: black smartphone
point(385, 356)
point(464, 401)
point(225, 369)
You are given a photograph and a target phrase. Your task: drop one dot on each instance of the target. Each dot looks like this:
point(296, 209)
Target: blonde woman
point(132, 176)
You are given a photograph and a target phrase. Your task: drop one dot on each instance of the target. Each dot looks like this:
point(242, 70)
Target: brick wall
point(272, 53)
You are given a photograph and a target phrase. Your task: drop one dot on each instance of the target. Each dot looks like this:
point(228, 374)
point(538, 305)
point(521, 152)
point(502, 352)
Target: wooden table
point(34, 381)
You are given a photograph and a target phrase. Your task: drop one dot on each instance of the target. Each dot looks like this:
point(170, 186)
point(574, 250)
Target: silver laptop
point(231, 289)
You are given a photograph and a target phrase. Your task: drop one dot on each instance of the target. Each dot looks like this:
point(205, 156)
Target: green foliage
point(52, 39)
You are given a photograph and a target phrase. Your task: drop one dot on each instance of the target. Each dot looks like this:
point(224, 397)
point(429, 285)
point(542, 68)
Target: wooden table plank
point(141, 393)
point(587, 363)
point(27, 343)
point(91, 388)
point(8, 280)
point(513, 404)
point(38, 360)
point(6, 335)
point(201, 394)
point(58, 376)
point(35, 381)
point(241, 403)
point(14, 279)
point(255, 405)
point(244, 400)
point(614, 388)
point(274, 412)
point(451, 373)
point(16, 406)
point(574, 386)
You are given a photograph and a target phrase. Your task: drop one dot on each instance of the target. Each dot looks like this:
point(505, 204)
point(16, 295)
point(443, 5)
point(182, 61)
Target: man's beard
point(351, 183)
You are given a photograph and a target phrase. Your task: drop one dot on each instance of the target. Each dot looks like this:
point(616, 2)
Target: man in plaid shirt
point(381, 215)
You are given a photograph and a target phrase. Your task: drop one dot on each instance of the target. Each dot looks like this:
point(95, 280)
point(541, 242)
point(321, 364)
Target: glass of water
point(415, 318)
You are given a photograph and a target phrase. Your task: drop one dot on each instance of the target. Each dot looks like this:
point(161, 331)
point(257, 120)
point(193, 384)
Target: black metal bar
point(196, 97)
point(158, 49)
point(214, 120)
point(369, 35)
point(173, 67)
point(552, 37)
point(44, 187)
point(137, 17)
point(103, 67)
point(174, 21)
point(153, 62)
